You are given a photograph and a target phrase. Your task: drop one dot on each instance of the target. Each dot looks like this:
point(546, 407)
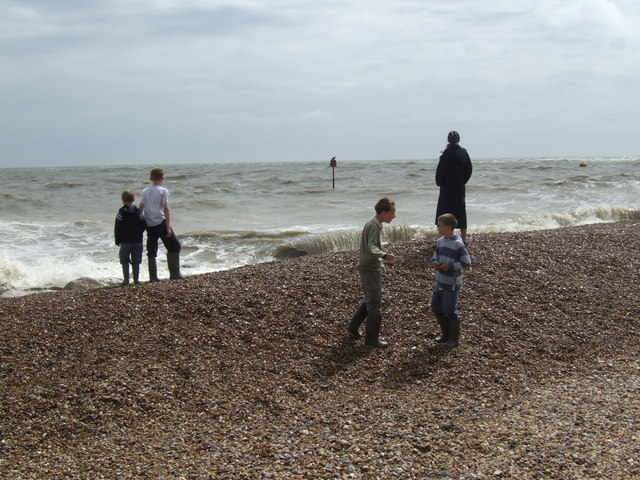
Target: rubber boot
point(136, 273)
point(173, 260)
point(153, 269)
point(373, 331)
point(125, 274)
point(454, 332)
point(357, 320)
point(444, 329)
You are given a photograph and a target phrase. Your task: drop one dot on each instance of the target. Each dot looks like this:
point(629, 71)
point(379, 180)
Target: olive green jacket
point(371, 253)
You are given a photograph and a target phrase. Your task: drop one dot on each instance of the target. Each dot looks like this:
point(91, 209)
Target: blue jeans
point(445, 302)
point(130, 253)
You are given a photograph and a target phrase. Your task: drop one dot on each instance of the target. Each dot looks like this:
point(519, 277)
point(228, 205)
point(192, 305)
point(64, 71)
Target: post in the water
point(333, 164)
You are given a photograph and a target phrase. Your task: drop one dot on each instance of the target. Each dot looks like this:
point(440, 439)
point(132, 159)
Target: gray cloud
point(166, 81)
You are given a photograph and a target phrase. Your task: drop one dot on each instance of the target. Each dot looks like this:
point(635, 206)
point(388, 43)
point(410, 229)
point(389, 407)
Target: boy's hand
point(390, 257)
point(442, 266)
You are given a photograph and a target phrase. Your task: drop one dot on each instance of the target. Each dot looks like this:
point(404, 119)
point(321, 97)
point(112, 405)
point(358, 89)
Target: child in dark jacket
point(130, 226)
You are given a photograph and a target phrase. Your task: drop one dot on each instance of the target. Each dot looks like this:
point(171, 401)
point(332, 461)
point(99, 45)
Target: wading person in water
point(453, 172)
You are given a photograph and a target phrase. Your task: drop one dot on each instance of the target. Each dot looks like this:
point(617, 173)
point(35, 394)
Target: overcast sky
point(93, 82)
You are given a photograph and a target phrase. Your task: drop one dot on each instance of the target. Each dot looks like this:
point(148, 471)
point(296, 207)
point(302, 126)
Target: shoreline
point(395, 234)
point(247, 373)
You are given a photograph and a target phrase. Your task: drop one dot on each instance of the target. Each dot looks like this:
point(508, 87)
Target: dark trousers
point(369, 309)
point(160, 232)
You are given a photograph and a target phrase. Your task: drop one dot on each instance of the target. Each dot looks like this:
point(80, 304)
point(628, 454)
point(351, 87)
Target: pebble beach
point(249, 374)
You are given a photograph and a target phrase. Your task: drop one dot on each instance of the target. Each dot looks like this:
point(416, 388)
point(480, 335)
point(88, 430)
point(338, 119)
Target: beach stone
point(226, 375)
point(83, 283)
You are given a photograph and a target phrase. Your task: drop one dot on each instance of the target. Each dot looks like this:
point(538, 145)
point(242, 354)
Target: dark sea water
point(58, 222)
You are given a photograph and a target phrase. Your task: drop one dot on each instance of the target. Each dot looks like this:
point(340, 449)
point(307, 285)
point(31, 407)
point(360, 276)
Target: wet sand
point(248, 373)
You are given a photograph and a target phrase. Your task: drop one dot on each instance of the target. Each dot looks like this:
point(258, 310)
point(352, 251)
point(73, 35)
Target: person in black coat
point(453, 172)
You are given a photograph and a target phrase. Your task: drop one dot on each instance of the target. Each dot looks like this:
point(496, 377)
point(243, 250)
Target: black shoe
point(353, 334)
point(451, 343)
point(441, 339)
point(376, 343)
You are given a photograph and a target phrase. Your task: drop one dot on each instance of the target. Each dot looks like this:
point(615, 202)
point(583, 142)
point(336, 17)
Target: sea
point(57, 222)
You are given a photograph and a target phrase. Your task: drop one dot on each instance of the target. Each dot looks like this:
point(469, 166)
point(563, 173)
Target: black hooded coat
point(453, 172)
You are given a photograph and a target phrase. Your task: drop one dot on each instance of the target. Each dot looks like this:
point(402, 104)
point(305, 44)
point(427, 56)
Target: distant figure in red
point(453, 172)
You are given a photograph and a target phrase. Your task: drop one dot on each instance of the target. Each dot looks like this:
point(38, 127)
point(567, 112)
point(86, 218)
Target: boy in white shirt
point(155, 208)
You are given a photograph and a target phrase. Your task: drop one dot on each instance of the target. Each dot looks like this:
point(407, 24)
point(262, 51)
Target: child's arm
point(116, 229)
point(167, 218)
point(142, 223)
point(435, 258)
point(464, 260)
point(374, 250)
point(372, 235)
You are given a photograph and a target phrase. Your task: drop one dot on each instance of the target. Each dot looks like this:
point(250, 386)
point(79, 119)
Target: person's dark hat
point(453, 137)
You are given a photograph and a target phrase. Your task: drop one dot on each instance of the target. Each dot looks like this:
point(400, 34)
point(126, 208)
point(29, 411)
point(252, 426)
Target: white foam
point(561, 219)
point(50, 272)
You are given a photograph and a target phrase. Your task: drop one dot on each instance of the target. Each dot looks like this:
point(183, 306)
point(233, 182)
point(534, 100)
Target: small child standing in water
point(449, 258)
point(130, 226)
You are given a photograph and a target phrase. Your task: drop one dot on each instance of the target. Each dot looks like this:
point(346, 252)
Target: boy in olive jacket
point(370, 264)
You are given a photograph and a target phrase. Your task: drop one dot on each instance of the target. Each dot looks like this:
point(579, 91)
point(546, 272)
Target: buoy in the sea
point(584, 164)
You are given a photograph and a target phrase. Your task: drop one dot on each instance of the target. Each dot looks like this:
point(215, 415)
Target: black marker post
point(333, 164)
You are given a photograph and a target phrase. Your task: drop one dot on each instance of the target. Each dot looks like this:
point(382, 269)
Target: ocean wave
point(277, 245)
point(244, 234)
point(570, 218)
point(348, 240)
point(207, 202)
point(9, 196)
point(211, 250)
point(315, 244)
point(63, 185)
point(21, 276)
